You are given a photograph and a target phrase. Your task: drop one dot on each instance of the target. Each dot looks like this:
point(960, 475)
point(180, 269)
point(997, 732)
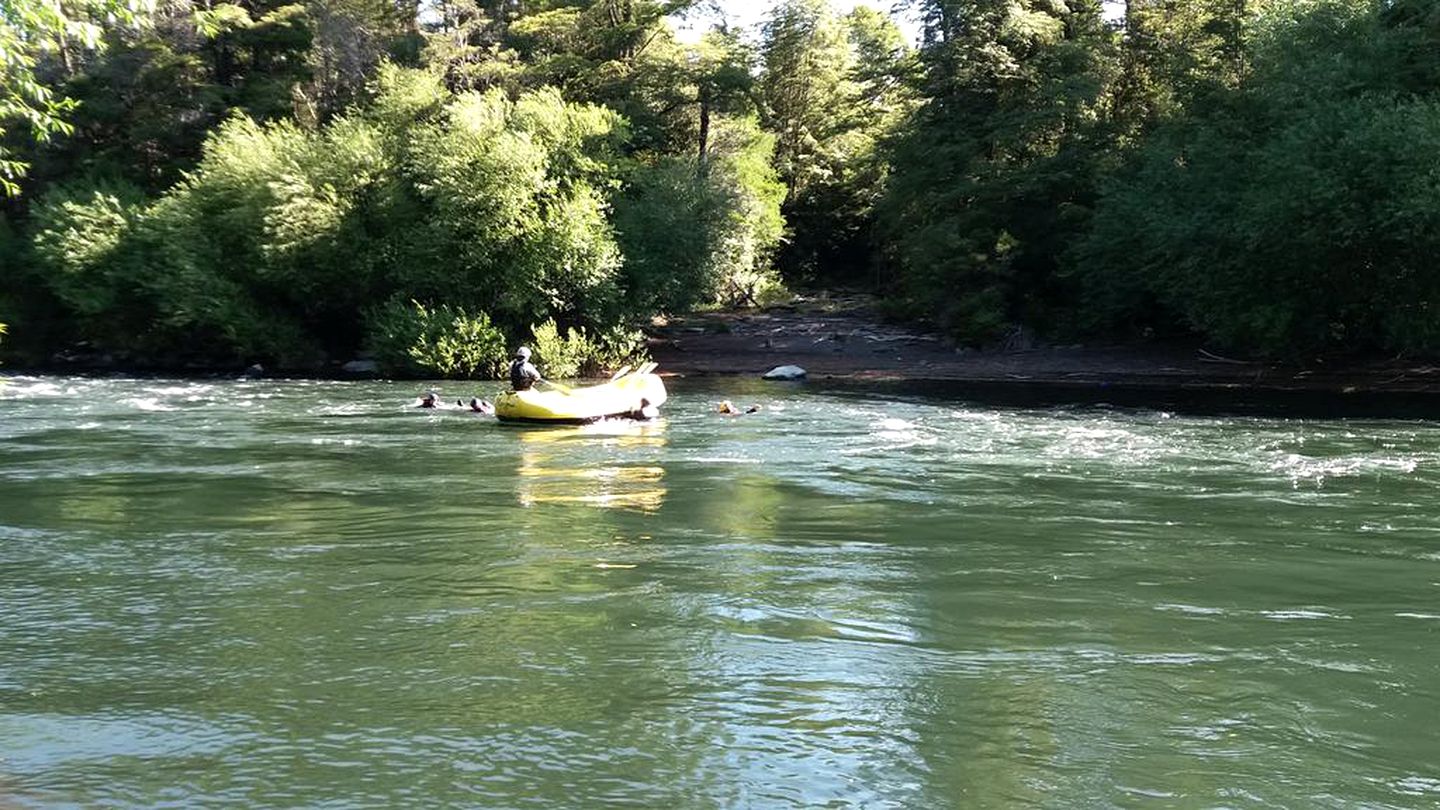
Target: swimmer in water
point(727, 408)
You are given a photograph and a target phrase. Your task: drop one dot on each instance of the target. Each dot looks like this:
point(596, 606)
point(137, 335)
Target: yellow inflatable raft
point(634, 395)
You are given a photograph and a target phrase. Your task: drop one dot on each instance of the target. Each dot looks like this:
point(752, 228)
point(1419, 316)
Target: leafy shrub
point(79, 231)
point(773, 293)
point(697, 233)
point(511, 209)
point(577, 354)
point(411, 339)
point(281, 242)
point(560, 356)
point(618, 346)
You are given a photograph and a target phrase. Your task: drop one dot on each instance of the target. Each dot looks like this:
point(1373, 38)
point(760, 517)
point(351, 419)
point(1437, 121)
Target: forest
point(193, 184)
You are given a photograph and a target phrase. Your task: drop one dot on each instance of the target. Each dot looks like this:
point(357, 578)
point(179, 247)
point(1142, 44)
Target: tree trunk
point(704, 125)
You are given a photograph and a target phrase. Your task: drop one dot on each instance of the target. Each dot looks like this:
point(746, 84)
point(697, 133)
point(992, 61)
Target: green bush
point(283, 242)
point(696, 233)
point(561, 356)
point(616, 347)
point(282, 236)
point(1297, 216)
point(512, 213)
point(78, 233)
point(773, 293)
point(411, 339)
point(577, 354)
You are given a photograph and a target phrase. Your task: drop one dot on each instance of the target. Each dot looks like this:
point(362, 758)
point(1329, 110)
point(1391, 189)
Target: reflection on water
point(608, 465)
point(275, 594)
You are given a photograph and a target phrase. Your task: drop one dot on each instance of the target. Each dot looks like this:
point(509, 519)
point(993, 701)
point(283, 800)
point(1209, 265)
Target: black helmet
point(522, 353)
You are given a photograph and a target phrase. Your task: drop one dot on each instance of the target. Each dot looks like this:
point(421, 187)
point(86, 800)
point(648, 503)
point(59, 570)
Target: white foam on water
point(1308, 468)
point(190, 390)
point(1299, 615)
point(1111, 444)
point(1173, 659)
point(894, 425)
point(149, 404)
point(1194, 610)
point(26, 388)
point(894, 434)
point(1415, 785)
point(1147, 793)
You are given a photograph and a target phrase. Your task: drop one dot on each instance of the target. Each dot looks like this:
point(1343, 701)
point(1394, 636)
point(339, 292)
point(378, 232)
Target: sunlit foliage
point(30, 30)
point(281, 237)
point(273, 181)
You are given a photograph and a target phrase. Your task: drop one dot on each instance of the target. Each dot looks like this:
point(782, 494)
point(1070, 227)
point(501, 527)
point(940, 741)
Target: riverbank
point(843, 341)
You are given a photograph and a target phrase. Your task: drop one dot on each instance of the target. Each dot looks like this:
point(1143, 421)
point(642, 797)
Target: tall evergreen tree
point(996, 172)
point(832, 89)
point(1291, 213)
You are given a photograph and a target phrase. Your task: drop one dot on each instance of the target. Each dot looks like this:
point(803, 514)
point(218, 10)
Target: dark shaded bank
point(843, 343)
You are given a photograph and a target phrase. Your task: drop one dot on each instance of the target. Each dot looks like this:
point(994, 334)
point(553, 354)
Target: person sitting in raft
point(727, 408)
point(523, 375)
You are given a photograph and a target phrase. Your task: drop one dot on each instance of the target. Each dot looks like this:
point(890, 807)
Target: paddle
point(558, 387)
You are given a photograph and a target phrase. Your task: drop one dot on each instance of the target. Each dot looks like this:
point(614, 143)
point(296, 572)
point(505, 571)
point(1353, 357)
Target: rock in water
point(785, 373)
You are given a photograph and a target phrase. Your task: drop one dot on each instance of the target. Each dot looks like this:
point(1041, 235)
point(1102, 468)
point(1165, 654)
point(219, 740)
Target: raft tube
point(633, 396)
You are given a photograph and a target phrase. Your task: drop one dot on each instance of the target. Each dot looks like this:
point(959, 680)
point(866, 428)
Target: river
point(285, 594)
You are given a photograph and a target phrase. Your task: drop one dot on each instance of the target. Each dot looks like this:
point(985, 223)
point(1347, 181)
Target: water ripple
point(310, 594)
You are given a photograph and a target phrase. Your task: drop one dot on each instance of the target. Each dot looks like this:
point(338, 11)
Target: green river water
point(309, 594)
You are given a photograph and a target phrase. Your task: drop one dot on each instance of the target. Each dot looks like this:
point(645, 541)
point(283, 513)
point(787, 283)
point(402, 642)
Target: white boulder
point(785, 373)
